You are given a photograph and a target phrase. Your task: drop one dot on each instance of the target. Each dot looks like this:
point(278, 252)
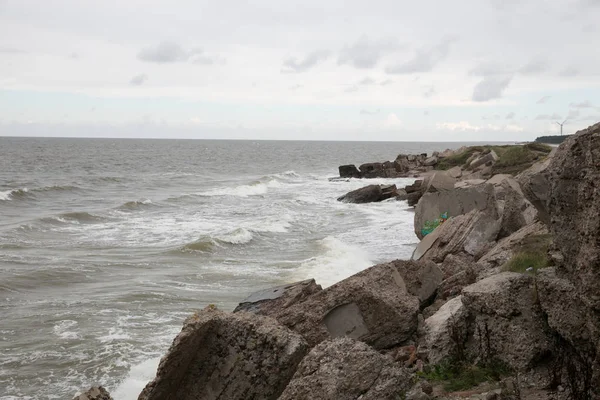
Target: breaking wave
point(14, 194)
point(135, 205)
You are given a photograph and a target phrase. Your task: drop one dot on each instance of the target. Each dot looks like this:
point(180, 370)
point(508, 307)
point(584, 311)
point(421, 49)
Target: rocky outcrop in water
point(95, 393)
point(372, 194)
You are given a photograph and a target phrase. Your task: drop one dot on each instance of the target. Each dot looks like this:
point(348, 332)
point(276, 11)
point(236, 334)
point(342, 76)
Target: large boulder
point(94, 393)
point(344, 369)
point(278, 297)
point(374, 306)
point(454, 202)
point(507, 322)
point(488, 159)
point(446, 332)
point(536, 186)
point(470, 234)
point(573, 201)
point(219, 355)
point(372, 170)
point(422, 279)
point(370, 194)
point(349, 171)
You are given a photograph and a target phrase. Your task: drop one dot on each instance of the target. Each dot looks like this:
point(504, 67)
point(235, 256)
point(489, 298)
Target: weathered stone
point(492, 261)
point(422, 279)
point(490, 158)
point(452, 286)
point(468, 183)
point(536, 186)
point(94, 393)
point(446, 331)
point(278, 297)
point(401, 194)
point(370, 194)
point(517, 212)
point(439, 181)
point(454, 172)
point(371, 170)
point(507, 318)
point(454, 203)
point(431, 161)
point(344, 369)
point(349, 171)
point(219, 355)
point(376, 308)
point(469, 234)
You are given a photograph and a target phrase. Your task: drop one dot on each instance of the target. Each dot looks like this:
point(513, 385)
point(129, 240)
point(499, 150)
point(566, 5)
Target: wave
point(135, 205)
point(207, 244)
point(238, 236)
point(204, 245)
point(337, 261)
point(14, 194)
point(77, 217)
point(256, 188)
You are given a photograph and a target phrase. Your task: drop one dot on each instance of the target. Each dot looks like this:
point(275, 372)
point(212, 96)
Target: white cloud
point(171, 52)
point(366, 53)
point(295, 65)
point(510, 115)
point(490, 88)
point(138, 80)
point(424, 60)
point(543, 117)
point(583, 104)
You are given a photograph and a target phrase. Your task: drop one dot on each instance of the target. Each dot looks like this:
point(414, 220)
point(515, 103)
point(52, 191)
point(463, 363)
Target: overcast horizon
point(470, 70)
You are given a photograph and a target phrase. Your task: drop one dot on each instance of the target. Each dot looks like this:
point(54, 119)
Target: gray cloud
point(138, 80)
point(487, 69)
point(367, 112)
point(583, 104)
point(386, 82)
point(510, 115)
point(424, 60)
point(535, 66)
point(569, 71)
point(491, 87)
point(366, 53)
point(543, 117)
point(11, 50)
point(573, 114)
point(367, 81)
point(543, 100)
point(430, 91)
point(171, 52)
point(295, 65)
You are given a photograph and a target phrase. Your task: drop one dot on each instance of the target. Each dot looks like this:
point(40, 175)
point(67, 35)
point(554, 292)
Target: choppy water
point(107, 245)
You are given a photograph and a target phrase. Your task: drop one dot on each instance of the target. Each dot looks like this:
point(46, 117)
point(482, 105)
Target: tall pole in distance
point(561, 126)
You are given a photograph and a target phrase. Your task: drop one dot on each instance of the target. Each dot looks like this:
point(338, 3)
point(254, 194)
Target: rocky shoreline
point(501, 299)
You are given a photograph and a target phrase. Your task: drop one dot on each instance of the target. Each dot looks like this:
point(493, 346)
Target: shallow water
point(107, 245)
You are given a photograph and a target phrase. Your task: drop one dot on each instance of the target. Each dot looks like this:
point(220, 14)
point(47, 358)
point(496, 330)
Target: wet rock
point(372, 170)
point(370, 194)
point(349, 171)
point(219, 355)
point(94, 393)
point(278, 297)
point(373, 306)
point(454, 202)
point(507, 322)
point(344, 369)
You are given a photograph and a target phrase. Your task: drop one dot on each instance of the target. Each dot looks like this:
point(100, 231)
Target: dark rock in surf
point(349, 171)
point(95, 393)
point(220, 355)
point(278, 297)
point(370, 194)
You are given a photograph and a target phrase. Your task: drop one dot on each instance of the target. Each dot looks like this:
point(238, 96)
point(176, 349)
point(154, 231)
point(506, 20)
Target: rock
point(448, 153)
point(372, 170)
point(485, 159)
point(95, 393)
point(446, 331)
point(401, 194)
point(535, 184)
point(492, 261)
point(416, 186)
point(417, 394)
point(469, 234)
point(573, 204)
point(413, 198)
point(517, 212)
point(344, 369)
point(439, 181)
point(431, 161)
point(219, 355)
point(349, 171)
point(507, 320)
point(373, 306)
point(454, 172)
point(370, 194)
point(422, 279)
point(278, 297)
point(468, 183)
point(454, 203)
point(452, 286)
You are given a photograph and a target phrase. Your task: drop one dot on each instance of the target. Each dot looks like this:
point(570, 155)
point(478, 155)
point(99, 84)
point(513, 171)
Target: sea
point(107, 245)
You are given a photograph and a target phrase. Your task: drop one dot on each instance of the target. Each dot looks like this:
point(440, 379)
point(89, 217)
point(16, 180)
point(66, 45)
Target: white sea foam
point(114, 334)
point(337, 261)
point(238, 236)
point(254, 189)
point(8, 194)
point(64, 329)
point(137, 378)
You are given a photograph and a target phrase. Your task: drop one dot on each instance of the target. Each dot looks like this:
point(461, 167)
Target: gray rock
point(484, 160)
point(470, 234)
point(219, 355)
point(431, 161)
point(278, 297)
point(372, 170)
point(422, 279)
point(506, 317)
point(454, 203)
point(440, 340)
point(349, 171)
point(344, 369)
point(455, 172)
point(370, 194)
point(94, 393)
point(373, 306)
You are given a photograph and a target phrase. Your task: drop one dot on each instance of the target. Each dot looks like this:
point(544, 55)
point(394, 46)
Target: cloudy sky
point(273, 69)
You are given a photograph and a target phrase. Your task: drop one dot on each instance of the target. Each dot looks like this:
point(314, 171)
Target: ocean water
point(107, 245)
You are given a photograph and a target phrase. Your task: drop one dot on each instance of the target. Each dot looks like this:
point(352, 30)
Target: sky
point(476, 70)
